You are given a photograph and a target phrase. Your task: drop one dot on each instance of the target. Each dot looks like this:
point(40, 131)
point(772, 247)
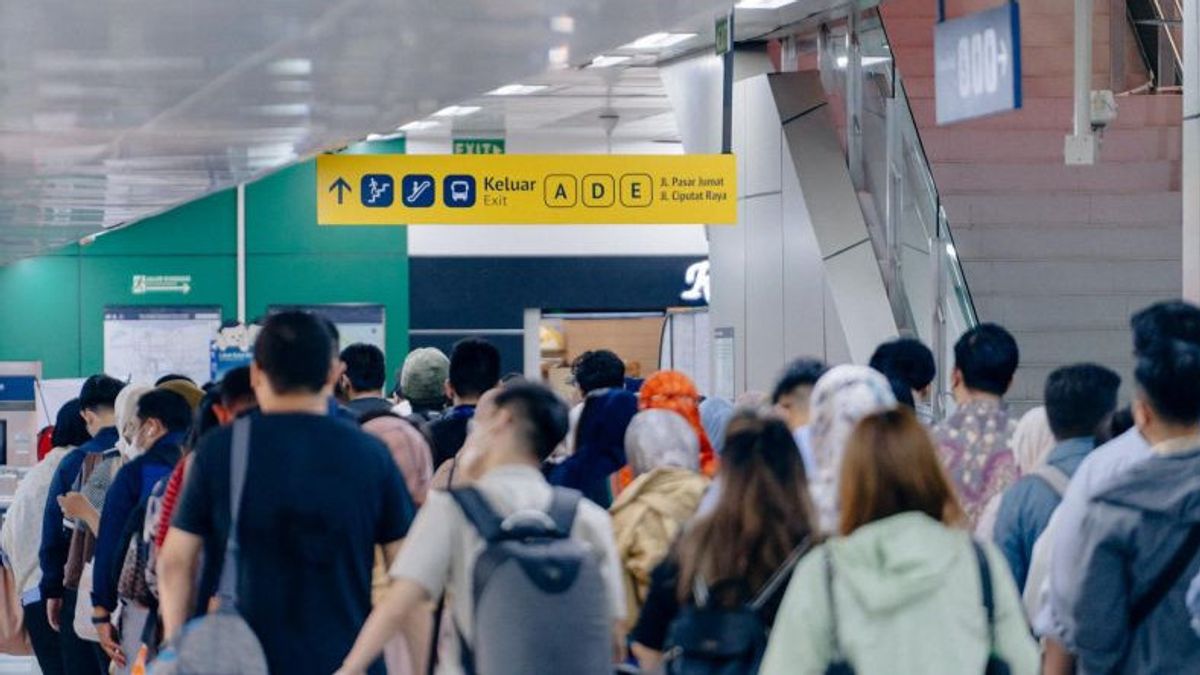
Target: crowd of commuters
point(466, 522)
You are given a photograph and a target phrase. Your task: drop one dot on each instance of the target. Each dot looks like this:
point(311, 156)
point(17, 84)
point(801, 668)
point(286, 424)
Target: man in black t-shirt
point(319, 497)
point(474, 369)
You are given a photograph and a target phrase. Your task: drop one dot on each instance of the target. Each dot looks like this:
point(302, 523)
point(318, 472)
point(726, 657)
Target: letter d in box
point(598, 190)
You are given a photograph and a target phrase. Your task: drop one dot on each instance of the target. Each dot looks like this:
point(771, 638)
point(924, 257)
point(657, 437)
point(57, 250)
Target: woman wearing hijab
point(407, 653)
point(674, 391)
point(715, 414)
point(664, 454)
point(842, 397)
point(1031, 442)
point(599, 447)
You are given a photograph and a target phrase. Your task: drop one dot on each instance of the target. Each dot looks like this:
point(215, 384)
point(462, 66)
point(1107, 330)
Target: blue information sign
point(978, 64)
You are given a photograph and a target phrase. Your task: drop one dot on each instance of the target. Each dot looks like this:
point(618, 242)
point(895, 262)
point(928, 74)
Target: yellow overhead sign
point(526, 189)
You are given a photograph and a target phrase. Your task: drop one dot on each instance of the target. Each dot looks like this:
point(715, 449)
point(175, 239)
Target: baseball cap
point(423, 377)
point(190, 392)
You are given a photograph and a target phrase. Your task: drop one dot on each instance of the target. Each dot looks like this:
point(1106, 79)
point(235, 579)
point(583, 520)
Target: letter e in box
point(598, 190)
point(637, 190)
point(561, 191)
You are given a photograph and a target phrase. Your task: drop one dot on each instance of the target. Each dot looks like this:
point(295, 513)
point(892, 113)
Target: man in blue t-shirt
point(320, 496)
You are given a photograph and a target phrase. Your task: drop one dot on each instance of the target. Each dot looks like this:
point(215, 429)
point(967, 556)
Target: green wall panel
point(53, 305)
point(324, 279)
point(39, 300)
point(283, 210)
point(108, 280)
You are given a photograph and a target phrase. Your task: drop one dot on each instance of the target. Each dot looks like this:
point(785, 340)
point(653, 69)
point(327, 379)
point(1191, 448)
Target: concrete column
point(1191, 151)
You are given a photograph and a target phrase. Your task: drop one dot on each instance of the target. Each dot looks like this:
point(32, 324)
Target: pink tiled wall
point(1061, 255)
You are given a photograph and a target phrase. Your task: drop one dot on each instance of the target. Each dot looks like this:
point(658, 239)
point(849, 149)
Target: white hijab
point(840, 400)
point(1032, 440)
point(661, 438)
point(125, 408)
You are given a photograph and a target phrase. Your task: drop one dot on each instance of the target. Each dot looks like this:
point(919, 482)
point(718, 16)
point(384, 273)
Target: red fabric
point(170, 499)
point(674, 391)
point(45, 442)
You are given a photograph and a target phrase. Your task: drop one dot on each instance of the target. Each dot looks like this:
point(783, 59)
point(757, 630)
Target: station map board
point(143, 343)
point(364, 323)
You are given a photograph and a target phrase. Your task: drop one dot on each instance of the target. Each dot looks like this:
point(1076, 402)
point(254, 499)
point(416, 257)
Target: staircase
point(1060, 255)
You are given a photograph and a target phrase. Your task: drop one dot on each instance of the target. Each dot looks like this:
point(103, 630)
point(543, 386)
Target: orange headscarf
point(674, 391)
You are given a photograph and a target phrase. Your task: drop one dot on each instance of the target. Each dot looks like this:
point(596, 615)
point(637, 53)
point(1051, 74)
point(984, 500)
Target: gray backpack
point(221, 643)
point(540, 603)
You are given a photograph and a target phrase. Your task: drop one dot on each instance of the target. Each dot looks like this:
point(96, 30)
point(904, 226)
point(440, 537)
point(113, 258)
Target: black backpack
point(708, 640)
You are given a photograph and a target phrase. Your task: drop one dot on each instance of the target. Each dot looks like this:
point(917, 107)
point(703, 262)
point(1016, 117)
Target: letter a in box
point(561, 191)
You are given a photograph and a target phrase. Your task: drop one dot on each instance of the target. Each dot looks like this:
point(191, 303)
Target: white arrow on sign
point(1002, 56)
point(143, 284)
point(183, 289)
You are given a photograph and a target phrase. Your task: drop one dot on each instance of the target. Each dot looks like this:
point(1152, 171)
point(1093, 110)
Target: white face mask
point(137, 446)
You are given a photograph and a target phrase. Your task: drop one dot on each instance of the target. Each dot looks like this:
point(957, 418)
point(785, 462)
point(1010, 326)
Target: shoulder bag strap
point(781, 575)
point(985, 582)
point(563, 506)
point(239, 459)
point(1167, 579)
point(838, 656)
point(1053, 476)
point(478, 512)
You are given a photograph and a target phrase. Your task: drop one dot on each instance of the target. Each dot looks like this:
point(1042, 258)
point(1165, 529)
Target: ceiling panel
point(113, 110)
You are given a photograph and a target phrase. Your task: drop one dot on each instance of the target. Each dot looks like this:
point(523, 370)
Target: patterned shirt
point(975, 445)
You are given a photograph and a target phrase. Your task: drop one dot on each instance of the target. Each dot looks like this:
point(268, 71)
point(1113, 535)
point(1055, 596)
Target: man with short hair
point(364, 378)
point(1079, 400)
point(513, 436)
point(909, 362)
point(320, 496)
point(1160, 323)
point(163, 418)
point(96, 401)
point(474, 369)
point(1140, 542)
point(598, 370)
point(975, 442)
point(792, 399)
point(423, 384)
point(235, 395)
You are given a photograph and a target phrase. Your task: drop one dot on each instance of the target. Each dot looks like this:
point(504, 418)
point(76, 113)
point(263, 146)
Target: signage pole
point(1081, 145)
point(727, 90)
point(1191, 151)
point(241, 253)
point(854, 99)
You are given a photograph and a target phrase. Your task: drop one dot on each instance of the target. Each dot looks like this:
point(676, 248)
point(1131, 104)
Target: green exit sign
point(724, 34)
point(479, 146)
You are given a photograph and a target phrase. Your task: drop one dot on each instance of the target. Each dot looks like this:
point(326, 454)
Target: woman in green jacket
point(907, 595)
